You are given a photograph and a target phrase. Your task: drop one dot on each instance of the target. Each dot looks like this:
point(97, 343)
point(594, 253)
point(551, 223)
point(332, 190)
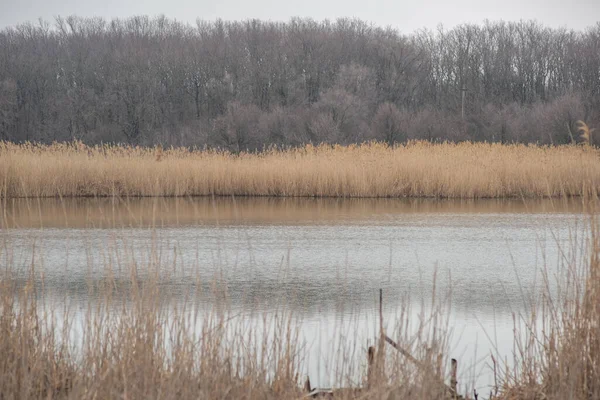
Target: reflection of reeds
point(416, 169)
point(150, 212)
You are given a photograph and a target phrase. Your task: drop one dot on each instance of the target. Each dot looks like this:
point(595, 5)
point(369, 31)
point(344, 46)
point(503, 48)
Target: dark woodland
point(254, 84)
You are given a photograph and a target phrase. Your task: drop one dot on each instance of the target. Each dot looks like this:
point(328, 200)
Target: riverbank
point(419, 170)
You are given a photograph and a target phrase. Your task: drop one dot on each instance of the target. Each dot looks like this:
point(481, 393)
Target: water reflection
point(163, 212)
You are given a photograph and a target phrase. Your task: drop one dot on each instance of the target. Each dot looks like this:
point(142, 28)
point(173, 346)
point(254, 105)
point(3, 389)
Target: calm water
point(324, 260)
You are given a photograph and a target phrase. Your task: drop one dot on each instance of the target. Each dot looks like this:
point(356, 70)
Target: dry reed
point(586, 132)
point(417, 169)
point(557, 349)
point(132, 342)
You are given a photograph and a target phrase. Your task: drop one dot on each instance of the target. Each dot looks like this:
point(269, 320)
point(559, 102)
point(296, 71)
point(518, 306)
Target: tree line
point(251, 84)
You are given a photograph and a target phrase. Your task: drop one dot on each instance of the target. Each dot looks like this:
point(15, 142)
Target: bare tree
point(389, 124)
point(237, 130)
point(154, 80)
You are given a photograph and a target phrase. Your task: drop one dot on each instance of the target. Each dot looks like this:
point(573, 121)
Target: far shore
point(372, 170)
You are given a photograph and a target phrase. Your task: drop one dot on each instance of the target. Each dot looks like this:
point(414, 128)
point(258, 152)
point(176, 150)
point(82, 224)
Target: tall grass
point(557, 349)
point(131, 342)
point(138, 351)
point(419, 169)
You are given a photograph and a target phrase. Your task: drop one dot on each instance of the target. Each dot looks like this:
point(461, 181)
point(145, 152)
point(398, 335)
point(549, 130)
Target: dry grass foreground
point(418, 169)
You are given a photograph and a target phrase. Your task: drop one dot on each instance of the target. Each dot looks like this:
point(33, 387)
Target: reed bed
point(131, 341)
point(141, 351)
point(416, 169)
point(557, 356)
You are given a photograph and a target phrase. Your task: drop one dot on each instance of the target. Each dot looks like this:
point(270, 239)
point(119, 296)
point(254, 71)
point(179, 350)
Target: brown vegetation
point(557, 356)
point(586, 132)
point(417, 169)
point(133, 341)
point(136, 352)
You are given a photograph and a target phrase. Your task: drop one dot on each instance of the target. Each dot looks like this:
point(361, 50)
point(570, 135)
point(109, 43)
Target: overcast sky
point(405, 15)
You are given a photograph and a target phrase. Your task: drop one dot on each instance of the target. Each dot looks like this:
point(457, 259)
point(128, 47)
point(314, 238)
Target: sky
point(404, 15)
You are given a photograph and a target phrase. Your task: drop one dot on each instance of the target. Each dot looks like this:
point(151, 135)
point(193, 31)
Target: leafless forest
point(252, 84)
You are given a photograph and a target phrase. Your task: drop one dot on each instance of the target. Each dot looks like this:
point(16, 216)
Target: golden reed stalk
point(416, 169)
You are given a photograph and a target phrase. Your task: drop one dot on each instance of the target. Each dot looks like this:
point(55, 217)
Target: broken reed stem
point(370, 366)
point(380, 364)
point(453, 380)
point(452, 389)
point(307, 387)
